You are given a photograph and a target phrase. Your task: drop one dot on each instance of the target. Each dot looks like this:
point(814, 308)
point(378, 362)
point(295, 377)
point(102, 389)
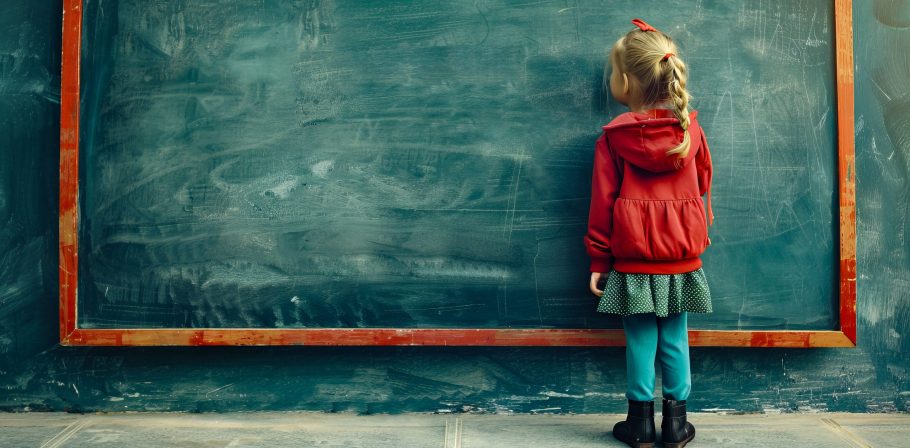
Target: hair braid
point(680, 97)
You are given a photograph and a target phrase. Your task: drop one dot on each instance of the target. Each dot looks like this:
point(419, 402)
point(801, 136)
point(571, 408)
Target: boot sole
point(639, 445)
point(634, 444)
point(681, 443)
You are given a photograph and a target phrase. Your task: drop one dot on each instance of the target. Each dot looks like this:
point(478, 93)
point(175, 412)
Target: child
point(647, 228)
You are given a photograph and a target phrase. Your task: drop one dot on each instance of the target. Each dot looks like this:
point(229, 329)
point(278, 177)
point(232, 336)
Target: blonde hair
point(651, 58)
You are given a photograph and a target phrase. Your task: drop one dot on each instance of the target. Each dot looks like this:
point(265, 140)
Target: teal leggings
point(667, 338)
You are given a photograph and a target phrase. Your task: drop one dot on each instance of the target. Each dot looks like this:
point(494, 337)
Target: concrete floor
point(308, 429)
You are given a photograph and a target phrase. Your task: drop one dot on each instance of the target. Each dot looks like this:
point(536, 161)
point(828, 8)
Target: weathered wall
point(36, 374)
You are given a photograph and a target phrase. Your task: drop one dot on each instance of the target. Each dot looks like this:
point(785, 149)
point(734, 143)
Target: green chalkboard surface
point(414, 164)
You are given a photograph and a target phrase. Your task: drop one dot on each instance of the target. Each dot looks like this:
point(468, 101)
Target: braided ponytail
point(680, 97)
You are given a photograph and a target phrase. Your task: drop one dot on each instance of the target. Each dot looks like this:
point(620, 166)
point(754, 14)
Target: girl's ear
point(626, 88)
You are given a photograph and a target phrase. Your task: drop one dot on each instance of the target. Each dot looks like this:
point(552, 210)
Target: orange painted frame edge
point(68, 221)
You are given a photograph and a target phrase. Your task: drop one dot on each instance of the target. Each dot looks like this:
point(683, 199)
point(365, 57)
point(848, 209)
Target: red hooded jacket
point(647, 215)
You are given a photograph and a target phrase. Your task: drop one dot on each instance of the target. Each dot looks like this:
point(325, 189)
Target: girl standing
point(648, 226)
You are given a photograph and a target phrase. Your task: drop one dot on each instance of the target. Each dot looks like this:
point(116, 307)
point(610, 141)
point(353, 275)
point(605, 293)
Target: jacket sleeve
point(605, 184)
point(705, 172)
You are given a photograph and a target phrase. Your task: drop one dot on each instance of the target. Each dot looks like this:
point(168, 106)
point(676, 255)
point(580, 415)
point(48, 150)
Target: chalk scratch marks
point(219, 388)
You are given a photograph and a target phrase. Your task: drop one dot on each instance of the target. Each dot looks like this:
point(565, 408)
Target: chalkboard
point(425, 164)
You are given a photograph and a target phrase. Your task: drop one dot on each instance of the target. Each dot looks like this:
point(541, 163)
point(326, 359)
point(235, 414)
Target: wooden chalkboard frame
point(71, 334)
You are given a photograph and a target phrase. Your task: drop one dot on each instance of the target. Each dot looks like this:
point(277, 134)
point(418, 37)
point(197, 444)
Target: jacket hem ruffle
point(634, 266)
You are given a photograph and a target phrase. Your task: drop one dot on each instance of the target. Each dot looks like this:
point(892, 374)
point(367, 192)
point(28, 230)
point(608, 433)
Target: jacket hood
point(643, 139)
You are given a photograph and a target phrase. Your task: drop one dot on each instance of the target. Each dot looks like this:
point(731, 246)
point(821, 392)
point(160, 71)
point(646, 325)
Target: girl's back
point(658, 217)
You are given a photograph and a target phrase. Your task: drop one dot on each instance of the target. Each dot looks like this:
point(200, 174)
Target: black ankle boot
point(638, 429)
point(675, 431)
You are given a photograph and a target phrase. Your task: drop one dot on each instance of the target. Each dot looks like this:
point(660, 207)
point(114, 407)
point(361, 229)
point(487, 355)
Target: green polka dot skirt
point(660, 294)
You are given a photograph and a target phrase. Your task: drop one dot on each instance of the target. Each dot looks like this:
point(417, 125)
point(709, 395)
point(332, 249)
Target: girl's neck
point(644, 108)
point(635, 106)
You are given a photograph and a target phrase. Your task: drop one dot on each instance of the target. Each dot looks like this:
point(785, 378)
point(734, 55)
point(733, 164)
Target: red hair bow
point(644, 26)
